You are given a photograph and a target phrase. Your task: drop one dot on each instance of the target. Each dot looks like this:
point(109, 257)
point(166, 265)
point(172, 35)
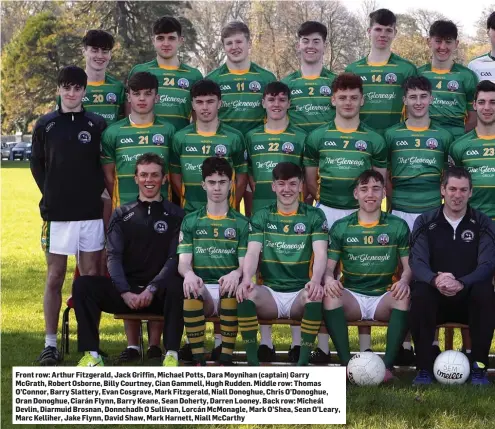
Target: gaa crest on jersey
point(391, 78)
point(361, 145)
point(254, 86)
point(453, 85)
point(84, 137)
point(383, 239)
point(158, 139)
point(220, 150)
point(287, 147)
point(432, 143)
point(111, 98)
point(467, 236)
point(299, 228)
point(230, 233)
point(325, 90)
point(160, 226)
point(183, 83)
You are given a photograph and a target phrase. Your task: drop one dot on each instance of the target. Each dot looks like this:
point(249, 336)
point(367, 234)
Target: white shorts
point(284, 301)
point(410, 218)
point(334, 215)
point(214, 291)
point(367, 304)
point(70, 238)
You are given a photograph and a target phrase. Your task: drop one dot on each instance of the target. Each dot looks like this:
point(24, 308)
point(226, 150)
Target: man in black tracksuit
point(142, 244)
point(453, 260)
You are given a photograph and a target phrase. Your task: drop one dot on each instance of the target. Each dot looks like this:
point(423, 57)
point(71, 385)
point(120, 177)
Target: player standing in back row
point(453, 84)
point(175, 78)
point(484, 66)
point(311, 86)
point(383, 74)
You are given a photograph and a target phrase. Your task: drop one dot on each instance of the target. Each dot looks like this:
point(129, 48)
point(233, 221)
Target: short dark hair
point(383, 17)
point(215, 164)
point(457, 173)
point(72, 75)
point(416, 82)
point(367, 175)
point(99, 39)
point(347, 81)
point(235, 27)
point(275, 88)
point(490, 22)
point(205, 87)
point(150, 158)
point(310, 27)
point(484, 86)
point(286, 171)
point(166, 25)
point(443, 29)
point(142, 80)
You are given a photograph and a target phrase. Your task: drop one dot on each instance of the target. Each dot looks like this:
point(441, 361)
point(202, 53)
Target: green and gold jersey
point(216, 242)
point(453, 95)
point(310, 104)
point(123, 143)
point(341, 156)
point(190, 148)
point(174, 85)
point(287, 240)
point(477, 155)
point(242, 91)
point(105, 98)
point(417, 157)
point(369, 253)
point(265, 150)
point(382, 84)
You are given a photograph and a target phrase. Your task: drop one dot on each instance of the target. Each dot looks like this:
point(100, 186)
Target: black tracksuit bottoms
point(473, 306)
point(94, 294)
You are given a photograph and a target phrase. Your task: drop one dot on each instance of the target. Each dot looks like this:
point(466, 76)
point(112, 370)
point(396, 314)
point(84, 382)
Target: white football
point(366, 369)
point(451, 367)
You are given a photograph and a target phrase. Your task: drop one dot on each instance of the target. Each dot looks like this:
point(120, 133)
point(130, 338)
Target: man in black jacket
point(453, 260)
point(142, 244)
point(65, 164)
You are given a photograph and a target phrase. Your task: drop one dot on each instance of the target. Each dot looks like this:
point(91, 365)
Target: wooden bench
point(142, 318)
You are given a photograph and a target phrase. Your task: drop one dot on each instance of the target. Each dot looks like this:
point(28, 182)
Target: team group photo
point(254, 183)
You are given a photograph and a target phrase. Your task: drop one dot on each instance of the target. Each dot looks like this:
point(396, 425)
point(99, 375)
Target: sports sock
point(323, 343)
point(296, 336)
point(194, 322)
point(396, 330)
point(248, 325)
point(337, 327)
point(51, 340)
point(310, 325)
point(173, 354)
point(266, 336)
point(134, 347)
point(228, 327)
point(364, 342)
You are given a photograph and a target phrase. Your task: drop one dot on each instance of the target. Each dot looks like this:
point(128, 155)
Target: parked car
point(6, 149)
point(21, 151)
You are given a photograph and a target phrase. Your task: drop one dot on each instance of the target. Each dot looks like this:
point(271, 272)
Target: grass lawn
point(23, 271)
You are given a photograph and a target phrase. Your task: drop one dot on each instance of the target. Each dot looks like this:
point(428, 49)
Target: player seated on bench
point(291, 238)
point(212, 245)
point(371, 245)
point(142, 261)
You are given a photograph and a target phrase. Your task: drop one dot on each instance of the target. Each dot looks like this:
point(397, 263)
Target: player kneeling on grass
point(291, 238)
point(142, 261)
point(371, 245)
point(213, 242)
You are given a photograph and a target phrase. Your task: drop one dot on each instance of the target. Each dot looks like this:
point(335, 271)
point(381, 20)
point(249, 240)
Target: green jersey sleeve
point(243, 238)
point(175, 155)
point(256, 228)
point(170, 133)
point(320, 226)
point(380, 152)
point(185, 235)
point(311, 152)
point(455, 153)
point(108, 143)
point(403, 239)
point(239, 155)
point(471, 83)
point(335, 242)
